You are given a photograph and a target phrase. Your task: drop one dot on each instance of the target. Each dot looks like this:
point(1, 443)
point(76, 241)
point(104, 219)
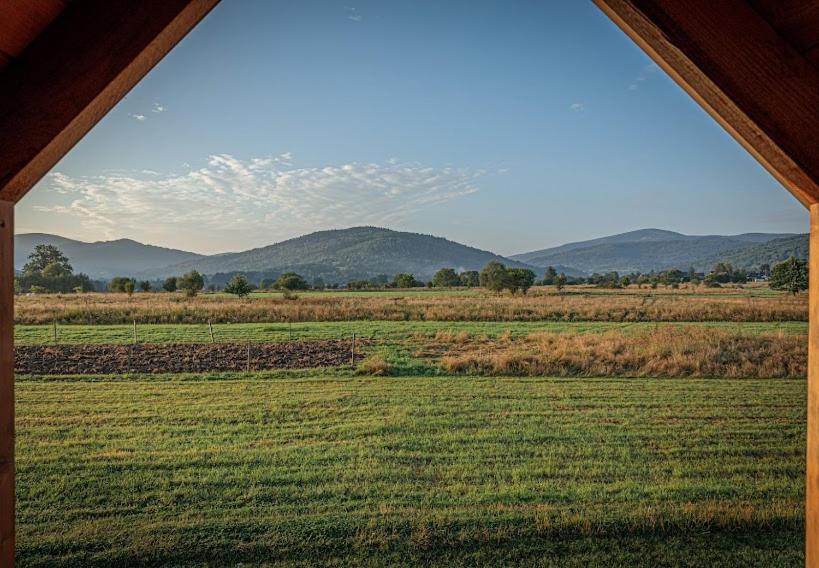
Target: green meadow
point(301, 469)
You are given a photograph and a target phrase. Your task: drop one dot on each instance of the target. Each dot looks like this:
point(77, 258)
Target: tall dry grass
point(675, 351)
point(633, 306)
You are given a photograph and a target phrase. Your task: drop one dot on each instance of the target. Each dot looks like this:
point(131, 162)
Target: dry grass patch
point(374, 365)
point(676, 351)
point(634, 306)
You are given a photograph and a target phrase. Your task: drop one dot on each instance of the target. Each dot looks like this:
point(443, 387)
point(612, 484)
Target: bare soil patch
point(178, 357)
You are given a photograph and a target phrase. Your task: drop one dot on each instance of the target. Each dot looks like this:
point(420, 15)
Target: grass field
point(262, 469)
point(449, 461)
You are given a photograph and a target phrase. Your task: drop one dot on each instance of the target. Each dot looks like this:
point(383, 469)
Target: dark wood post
point(6, 383)
point(812, 458)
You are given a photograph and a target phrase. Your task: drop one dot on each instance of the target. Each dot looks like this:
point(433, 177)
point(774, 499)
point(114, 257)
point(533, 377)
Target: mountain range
point(102, 259)
point(364, 252)
point(655, 249)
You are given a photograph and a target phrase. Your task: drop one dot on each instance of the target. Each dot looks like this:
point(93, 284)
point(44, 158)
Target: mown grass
point(377, 330)
point(263, 470)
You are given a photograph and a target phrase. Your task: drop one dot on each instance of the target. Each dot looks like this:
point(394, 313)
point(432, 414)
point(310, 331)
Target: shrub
point(374, 365)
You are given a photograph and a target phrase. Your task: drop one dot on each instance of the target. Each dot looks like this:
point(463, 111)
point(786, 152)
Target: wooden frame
point(60, 87)
point(762, 88)
point(765, 93)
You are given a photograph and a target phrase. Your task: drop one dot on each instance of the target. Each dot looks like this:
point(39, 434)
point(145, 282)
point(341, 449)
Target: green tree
point(145, 286)
point(560, 282)
point(446, 278)
point(290, 281)
point(191, 283)
point(625, 282)
point(790, 275)
point(121, 284)
point(494, 277)
point(45, 255)
point(239, 286)
point(170, 284)
point(470, 278)
point(519, 279)
point(549, 276)
point(404, 280)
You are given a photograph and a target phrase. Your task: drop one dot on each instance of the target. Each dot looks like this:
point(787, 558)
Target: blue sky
point(507, 125)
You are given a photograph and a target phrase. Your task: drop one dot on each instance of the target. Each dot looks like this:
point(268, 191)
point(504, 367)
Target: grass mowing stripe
point(321, 470)
point(386, 330)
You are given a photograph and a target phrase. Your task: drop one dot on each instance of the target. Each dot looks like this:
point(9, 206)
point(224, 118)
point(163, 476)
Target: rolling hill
point(365, 252)
point(347, 254)
point(102, 259)
point(655, 249)
point(769, 252)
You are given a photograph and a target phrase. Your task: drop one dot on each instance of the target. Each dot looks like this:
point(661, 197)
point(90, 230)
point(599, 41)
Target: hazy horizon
point(489, 249)
point(507, 127)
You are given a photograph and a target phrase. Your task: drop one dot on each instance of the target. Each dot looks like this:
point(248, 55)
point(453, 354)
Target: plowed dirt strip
point(178, 358)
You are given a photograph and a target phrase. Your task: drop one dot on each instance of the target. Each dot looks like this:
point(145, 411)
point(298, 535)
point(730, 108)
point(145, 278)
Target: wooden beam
point(6, 383)
point(812, 463)
point(752, 81)
point(75, 72)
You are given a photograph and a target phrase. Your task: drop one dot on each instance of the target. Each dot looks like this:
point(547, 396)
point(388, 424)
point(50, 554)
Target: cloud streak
point(261, 199)
point(643, 76)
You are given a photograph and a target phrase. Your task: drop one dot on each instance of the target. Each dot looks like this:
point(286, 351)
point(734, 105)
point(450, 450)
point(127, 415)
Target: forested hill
point(653, 249)
point(348, 254)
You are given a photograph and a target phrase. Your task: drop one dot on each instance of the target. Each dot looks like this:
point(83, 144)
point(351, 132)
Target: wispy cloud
point(264, 199)
point(139, 117)
point(352, 14)
point(158, 108)
point(577, 107)
point(643, 76)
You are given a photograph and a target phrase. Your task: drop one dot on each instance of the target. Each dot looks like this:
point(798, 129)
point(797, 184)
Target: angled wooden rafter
point(75, 72)
point(758, 86)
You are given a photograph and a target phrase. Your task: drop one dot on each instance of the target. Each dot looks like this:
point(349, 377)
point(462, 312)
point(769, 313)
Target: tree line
point(49, 270)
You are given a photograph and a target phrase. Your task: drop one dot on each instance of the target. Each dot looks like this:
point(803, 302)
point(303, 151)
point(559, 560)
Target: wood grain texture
point(75, 72)
point(7, 499)
point(22, 20)
point(754, 83)
point(796, 20)
point(812, 465)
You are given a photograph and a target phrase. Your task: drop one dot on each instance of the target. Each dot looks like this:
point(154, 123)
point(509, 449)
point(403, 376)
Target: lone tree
point(446, 278)
point(145, 286)
point(494, 277)
point(191, 283)
point(44, 256)
point(519, 279)
point(291, 281)
point(239, 286)
point(790, 275)
point(48, 270)
point(560, 281)
point(170, 284)
point(549, 276)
